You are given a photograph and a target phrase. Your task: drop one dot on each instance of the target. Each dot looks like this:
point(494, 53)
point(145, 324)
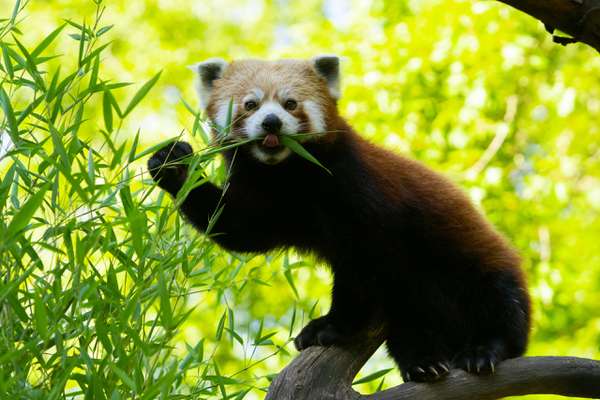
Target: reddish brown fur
point(298, 77)
point(444, 200)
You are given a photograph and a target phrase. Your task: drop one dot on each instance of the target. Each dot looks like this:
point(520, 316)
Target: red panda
point(407, 249)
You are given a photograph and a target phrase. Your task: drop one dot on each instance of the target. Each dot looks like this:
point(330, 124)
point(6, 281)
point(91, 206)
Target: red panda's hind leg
point(350, 299)
point(481, 359)
point(418, 360)
point(499, 321)
point(318, 332)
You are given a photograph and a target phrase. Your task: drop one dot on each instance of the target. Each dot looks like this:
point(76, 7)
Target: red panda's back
point(445, 211)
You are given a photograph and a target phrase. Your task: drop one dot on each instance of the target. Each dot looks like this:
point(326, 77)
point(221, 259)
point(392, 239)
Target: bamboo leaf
point(372, 377)
point(16, 9)
point(221, 380)
point(165, 304)
point(91, 168)
point(107, 111)
point(81, 45)
point(31, 66)
point(124, 377)
point(141, 94)
point(153, 149)
point(29, 109)
point(288, 276)
point(41, 317)
point(23, 216)
point(103, 30)
point(136, 140)
point(46, 42)
point(7, 63)
point(5, 183)
point(59, 148)
point(135, 219)
point(94, 75)
point(301, 151)
point(221, 326)
point(9, 114)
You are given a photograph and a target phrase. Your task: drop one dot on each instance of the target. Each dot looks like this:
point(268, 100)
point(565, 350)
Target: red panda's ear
point(207, 72)
point(328, 66)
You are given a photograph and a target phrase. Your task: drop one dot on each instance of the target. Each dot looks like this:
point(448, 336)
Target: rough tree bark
point(327, 373)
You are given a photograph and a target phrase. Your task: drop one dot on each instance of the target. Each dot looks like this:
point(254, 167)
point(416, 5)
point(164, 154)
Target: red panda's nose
point(272, 124)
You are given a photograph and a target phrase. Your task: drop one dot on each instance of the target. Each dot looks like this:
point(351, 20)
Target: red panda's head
point(270, 99)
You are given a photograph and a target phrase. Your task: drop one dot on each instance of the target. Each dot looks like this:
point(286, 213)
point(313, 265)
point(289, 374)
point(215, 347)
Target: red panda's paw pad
point(426, 372)
point(318, 332)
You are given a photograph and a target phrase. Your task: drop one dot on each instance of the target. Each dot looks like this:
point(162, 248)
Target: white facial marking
point(203, 93)
point(334, 89)
point(255, 95)
point(290, 124)
point(259, 94)
point(253, 126)
point(223, 113)
point(315, 116)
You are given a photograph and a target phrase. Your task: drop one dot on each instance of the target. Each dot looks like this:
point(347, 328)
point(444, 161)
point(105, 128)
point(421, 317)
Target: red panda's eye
point(290, 105)
point(250, 105)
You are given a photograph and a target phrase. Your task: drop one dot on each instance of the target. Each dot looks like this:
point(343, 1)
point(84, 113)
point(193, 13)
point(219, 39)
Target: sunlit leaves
point(25, 213)
point(80, 265)
point(135, 218)
point(46, 42)
point(9, 114)
point(139, 95)
point(107, 111)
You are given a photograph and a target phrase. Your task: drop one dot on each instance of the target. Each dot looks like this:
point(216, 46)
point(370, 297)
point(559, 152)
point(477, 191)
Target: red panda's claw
point(443, 367)
point(426, 373)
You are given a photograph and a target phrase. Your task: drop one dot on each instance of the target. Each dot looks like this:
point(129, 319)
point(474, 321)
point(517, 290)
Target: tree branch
point(578, 18)
point(327, 373)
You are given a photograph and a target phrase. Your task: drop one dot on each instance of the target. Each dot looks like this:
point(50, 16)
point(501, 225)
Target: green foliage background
point(106, 293)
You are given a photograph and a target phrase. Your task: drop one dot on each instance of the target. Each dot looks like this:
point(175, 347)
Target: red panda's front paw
point(318, 332)
point(166, 166)
point(480, 359)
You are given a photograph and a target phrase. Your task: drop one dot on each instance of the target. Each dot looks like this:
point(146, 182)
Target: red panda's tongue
point(271, 140)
